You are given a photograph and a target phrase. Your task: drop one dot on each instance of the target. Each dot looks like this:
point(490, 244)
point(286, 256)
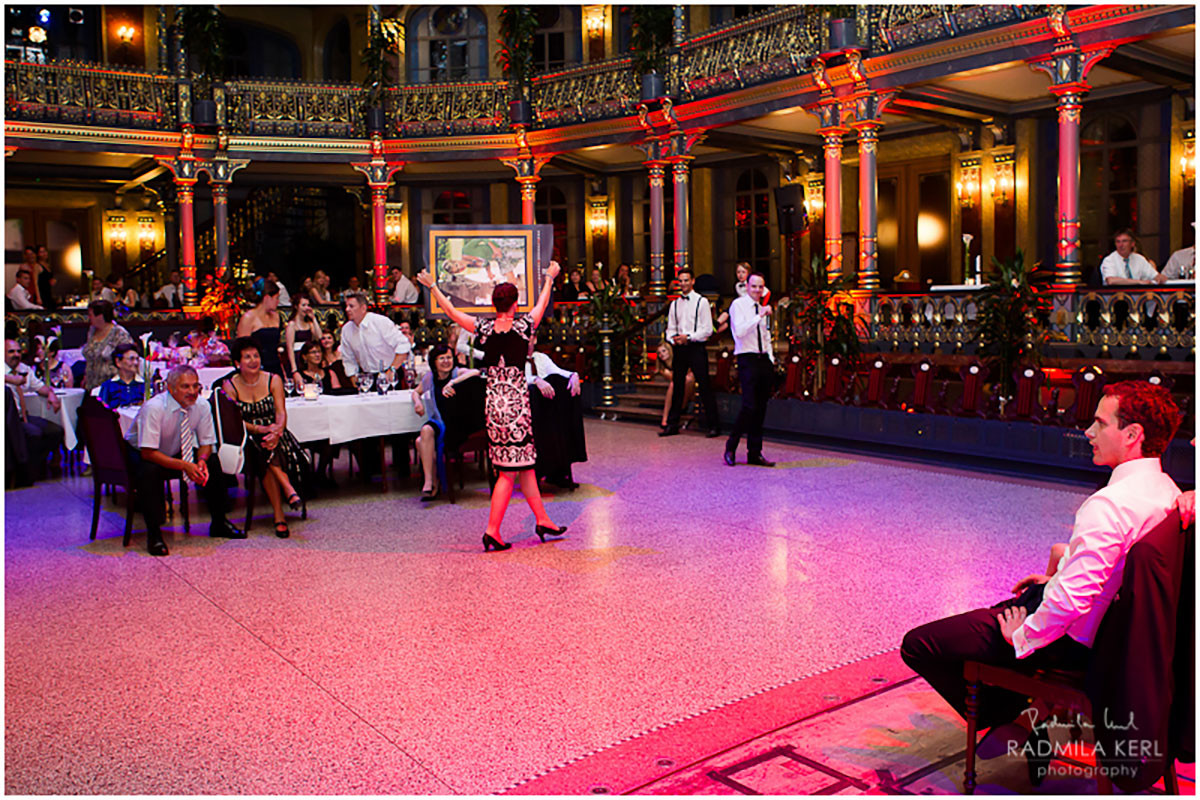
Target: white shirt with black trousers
point(756, 372)
point(690, 315)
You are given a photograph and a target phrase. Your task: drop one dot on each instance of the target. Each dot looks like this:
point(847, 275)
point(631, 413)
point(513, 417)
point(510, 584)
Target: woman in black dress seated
point(505, 343)
point(271, 448)
point(455, 412)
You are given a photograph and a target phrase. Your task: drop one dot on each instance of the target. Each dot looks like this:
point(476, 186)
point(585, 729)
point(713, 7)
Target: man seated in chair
point(174, 434)
point(30, 437)
point(1053, 620)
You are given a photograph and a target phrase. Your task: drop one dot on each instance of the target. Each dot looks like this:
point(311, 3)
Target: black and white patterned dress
point(509, 422)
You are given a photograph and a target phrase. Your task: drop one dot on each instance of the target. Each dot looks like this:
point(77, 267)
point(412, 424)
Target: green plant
point(518, 24)
point(1011, 318)
point(611, 302)
point(826, 327)
point(379, 66)
point(203, 31)
point(650, 38)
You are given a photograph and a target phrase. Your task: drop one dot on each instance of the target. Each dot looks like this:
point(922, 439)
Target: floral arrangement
point(221, 304)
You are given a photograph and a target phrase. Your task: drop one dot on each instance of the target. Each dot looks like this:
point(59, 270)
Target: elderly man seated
point(30, 438)
point(125, 388)
point(174, 434)
point(1052, 620)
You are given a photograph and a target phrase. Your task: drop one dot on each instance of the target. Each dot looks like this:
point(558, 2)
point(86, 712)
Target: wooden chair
point(1025, 403)
point(1089, 388)
point(476, 443)
point(837, 374)
point(101, 430)
point(922, 398)
point(879, 392)
point(974, 376)
point(1066, 689)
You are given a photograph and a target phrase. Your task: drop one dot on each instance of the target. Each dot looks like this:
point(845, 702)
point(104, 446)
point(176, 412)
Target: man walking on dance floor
point(750, 321)
point(689, 326)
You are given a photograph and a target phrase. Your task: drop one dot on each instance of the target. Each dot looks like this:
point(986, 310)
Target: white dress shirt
point(21, 299)
point(463, 346)
point(158, 425)
point(1138, 269)
point(1139, 495)
point(1180, 263)
point(373, 345)
point(739, 288)
point(751, 332)
point(172, 293)
point(690, 315)
point(32, 382)
point(405, 291)
point(285, 299)
point(540, 365)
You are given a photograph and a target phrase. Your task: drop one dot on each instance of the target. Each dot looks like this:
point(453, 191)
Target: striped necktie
point(1128, 273)
point(187, 439)
point(758, 329)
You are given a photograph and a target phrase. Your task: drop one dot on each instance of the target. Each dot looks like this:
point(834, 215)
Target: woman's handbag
point(232, 456)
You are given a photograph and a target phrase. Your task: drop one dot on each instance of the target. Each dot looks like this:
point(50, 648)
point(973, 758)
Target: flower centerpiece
point(221, 305)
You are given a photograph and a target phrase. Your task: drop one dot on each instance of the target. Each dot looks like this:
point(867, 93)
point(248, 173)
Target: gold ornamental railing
point(89, 94)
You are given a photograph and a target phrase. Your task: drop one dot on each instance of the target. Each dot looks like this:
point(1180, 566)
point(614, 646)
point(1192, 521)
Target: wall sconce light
point(391, 222)
point(37, 34)
point(816, 197)
point(593, 20)
point(1187, 161)
point(968, 185)
point(1002, 179)
point(117, 235)
point(147, 236)
point(126, 33)
point(598, 221)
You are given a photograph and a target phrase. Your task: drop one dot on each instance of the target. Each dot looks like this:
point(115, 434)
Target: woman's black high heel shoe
point(294, 502)
point(542, 531)
point(281, 530)
point(490, 543)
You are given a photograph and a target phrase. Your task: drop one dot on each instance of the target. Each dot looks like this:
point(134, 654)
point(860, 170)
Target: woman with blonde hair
point(663, 366)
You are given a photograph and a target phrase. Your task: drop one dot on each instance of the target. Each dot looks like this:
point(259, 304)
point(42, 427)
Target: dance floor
point(380, 650)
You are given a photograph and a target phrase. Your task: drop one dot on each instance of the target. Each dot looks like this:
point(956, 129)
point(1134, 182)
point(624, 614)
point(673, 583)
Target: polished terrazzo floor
point(379, 650)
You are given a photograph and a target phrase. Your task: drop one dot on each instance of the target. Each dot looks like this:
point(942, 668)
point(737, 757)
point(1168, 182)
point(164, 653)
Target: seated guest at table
point(331, 358)
point(54, 369)
point(320, 289)
point(173, 434)
point(557, 417)
point(1053, 619)
point(302, 327)
point(405, 290)
point(275, 453)
point(20, 296)
point(126, 388)
point(575, 288)
point(452, 417)
point(104, 336)
point(312, 371)
point(353, 284)
point(464, 351)
point(32, 437)
point(1125, 266)
point(207, 349)
point(261, 324)
point(170, 295)
point(370, 342)
point(1181, 264)
point(30, 263)
point(596, 283)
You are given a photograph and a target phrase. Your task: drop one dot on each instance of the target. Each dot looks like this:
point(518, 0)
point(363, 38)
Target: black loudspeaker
point(790, 210)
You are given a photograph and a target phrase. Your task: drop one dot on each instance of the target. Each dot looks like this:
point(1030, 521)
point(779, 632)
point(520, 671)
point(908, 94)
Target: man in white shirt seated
point(173, 435)
point(750, 320)
point(405, 291)
point(1124, 267)
point(689, 326)
point(21, 294)
point(557, 414)
point(1053, 619)
point(30, 437)
point(285, 299)
point(171, 292)
point(1181, 264)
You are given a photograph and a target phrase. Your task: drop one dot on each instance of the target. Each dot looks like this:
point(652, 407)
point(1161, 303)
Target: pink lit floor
point(379, 650)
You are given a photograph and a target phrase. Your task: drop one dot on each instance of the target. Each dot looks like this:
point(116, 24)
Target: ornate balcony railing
point(294, 109)
point(448, 109)
point(601, 90)
point(89, 94)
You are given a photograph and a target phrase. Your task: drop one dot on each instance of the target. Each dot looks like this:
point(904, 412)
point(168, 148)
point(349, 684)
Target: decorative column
point(658, 284)
point(527, 166)
point(528, 196)
point(185, 168)
point(1068, 67)
point(379, 177)
point(833, 196)
point(220, 173)
point(868, 121)
point(679, 168)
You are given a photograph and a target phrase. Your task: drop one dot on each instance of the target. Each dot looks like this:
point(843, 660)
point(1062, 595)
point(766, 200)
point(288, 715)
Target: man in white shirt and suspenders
point(750, 321)
point(689, 326)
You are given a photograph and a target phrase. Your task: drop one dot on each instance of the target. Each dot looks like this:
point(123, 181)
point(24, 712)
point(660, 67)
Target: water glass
point(365, 381)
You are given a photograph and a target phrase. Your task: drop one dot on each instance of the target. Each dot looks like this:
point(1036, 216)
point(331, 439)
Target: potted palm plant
point(825, 328)
point(378, 77)
point(650, 41)
point(1011, 318)
point(203, 31)
point(515, 59)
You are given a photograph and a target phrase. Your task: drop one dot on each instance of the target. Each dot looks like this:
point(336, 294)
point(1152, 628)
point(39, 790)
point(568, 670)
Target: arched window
point(752, 219)
point(550, 208)
point(337, 52)
point(452, 207)
point(253, 51)
point(447, 43)
point(557, 41)
point(1108, 183)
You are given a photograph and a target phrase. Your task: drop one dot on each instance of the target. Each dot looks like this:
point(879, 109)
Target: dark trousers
point(937, 651)
point(756, 373)
point(693, 356)
point(30, 442)
point(153, 502)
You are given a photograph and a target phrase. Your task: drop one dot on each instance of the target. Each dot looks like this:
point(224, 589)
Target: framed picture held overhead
point(468, 261)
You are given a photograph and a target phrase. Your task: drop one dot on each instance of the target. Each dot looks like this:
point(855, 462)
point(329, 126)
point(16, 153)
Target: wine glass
point(289, 387)
point(365, 381)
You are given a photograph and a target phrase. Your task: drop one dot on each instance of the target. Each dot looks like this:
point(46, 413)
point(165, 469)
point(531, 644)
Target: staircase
point(645, 402)
point(266, 221)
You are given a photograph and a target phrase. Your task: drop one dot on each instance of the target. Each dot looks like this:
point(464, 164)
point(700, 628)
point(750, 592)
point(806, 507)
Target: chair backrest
point(923, 374)
point(228, 415)
point(973, 374)
point(1089, 386)
point(101, 429)
point(876, 373)
point(835, 378)
point(1029, 380)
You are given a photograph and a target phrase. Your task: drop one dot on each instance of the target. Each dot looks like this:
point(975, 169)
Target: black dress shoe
point(1038, 764)
point(672, 430)
point(155, 546)
point(759, 461)
point(730, 459)
point(224, 529)
point(712, 433)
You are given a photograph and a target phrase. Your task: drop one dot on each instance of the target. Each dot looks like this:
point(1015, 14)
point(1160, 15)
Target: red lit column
point(679, 169)
point(833, 197)
point(185, 192)
point(379, 177)
point(528, 195)
point(658, 171)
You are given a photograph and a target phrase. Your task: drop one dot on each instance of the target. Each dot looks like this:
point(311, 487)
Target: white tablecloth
point(344, 418)
point(67, 415)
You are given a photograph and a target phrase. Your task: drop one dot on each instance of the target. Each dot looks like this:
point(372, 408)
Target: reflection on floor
point(379, 650)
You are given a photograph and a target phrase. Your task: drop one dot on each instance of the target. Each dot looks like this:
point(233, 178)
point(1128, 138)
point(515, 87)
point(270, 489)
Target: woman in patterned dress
point(276, 453)
point(505, 343)
point(104, 336)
